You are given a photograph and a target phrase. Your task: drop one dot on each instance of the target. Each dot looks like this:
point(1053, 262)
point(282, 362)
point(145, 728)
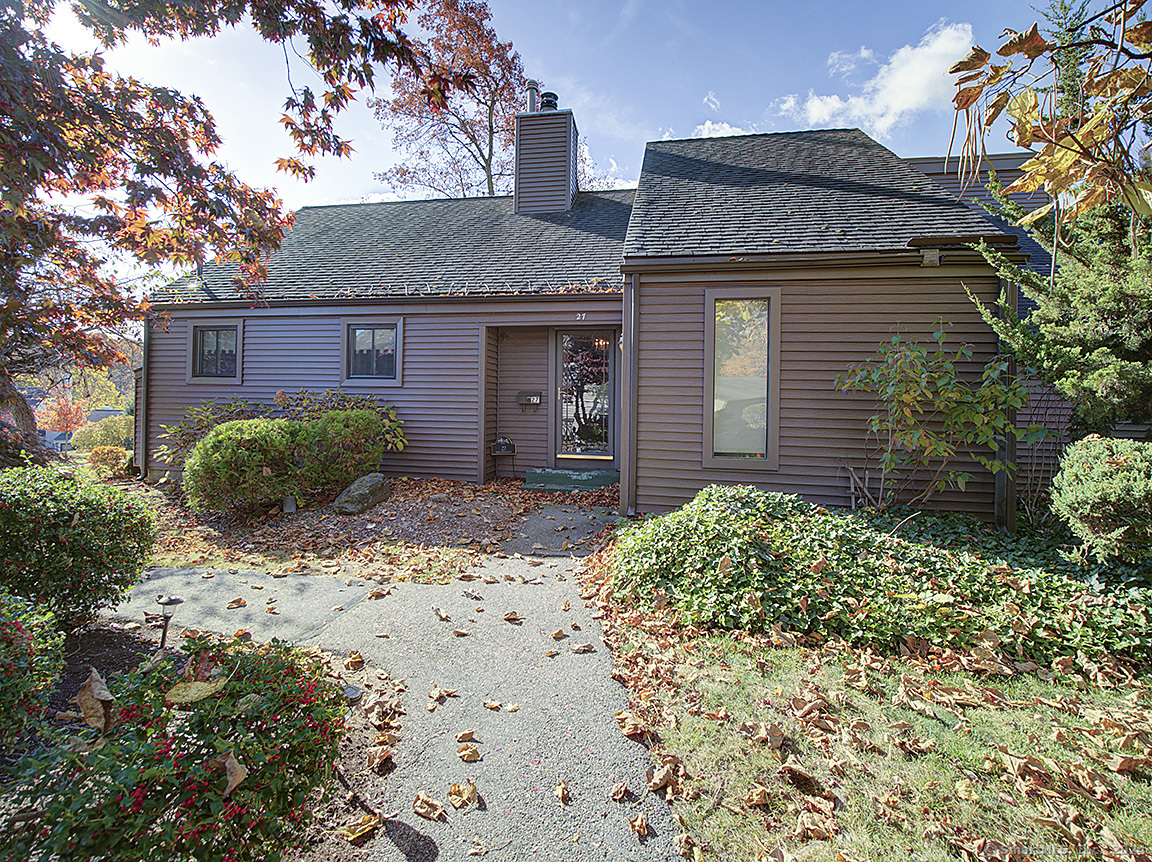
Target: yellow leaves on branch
point(1084, 158)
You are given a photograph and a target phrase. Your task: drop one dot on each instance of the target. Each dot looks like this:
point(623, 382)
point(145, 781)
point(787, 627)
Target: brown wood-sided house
point(684, 333)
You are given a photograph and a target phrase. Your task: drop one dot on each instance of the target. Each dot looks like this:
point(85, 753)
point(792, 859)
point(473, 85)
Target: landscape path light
point(167, 608)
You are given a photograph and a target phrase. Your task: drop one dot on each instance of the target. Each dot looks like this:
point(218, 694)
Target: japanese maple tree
point(141, 158)
point(62, 413)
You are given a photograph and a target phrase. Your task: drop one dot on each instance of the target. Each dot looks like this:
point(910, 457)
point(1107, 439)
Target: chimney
point(545, 156)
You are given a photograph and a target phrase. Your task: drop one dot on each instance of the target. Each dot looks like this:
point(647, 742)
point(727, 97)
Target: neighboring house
point(685, 333)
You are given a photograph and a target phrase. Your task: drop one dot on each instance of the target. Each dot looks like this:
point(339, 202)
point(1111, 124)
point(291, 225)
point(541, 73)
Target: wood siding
point(545, 162)
point(828, 322)
point(298, 346)
point(523, 365)
point(491, 348)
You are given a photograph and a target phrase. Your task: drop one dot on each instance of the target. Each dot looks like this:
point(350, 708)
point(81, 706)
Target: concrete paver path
point(564, 730)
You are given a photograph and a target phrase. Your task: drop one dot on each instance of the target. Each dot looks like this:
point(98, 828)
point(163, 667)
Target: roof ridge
point(410, 201)
point(758, 135)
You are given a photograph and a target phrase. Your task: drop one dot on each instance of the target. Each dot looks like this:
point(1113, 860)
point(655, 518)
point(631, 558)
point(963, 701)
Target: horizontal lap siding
point(826, 325)
point(437, 401)
point(491, 393)
point(294, 348)
point(523, 364)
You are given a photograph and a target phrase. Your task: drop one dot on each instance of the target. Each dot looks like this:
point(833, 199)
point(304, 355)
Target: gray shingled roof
point(833, 190)
point(441, 247)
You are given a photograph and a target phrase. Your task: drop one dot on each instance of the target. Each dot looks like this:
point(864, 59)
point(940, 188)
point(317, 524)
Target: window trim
point(346, 324)
point(771, 461)
point(215, 323)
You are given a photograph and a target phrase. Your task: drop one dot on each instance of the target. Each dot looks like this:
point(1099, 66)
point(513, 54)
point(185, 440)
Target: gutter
point(412, 299)
point(631, 411)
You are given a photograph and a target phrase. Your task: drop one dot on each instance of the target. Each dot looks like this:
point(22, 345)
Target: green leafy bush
point(242, 467)
point(307, 405)
point(744, 558)
point(69, 545)
point(1104, 493)
point(31, 656)
point(338, 448)
point(198, 421)
point(109, 431)
point(930, 416)
point(109, 461)
point(161, 783)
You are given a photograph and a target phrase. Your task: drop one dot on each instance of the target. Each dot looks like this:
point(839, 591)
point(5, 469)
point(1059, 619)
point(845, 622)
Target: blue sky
point(632, 71)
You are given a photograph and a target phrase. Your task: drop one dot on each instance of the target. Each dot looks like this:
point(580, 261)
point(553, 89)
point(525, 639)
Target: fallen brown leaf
point(95, 702)
point(233, 769)
point(619, 792)
point(468, 735)
point(427, 807)
point(639, 825)
point(561, 792)
point(358, 831)
point(461, 794)
point(236, 603)
point(355, 661)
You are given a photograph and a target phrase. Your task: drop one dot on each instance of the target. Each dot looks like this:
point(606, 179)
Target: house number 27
point(580, 315)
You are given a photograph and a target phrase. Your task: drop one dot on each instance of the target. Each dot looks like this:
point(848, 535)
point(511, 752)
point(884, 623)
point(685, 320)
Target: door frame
point(583, 462)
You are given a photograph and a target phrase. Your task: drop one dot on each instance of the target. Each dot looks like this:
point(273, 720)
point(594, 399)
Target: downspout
point(1004, 482)
point(143, 418)
point(631, 331)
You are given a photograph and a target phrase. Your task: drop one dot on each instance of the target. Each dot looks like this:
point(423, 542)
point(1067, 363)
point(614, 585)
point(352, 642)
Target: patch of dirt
point(421, 514)
point(109, 647)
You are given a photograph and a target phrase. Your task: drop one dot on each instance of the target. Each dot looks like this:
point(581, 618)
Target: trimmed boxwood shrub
point(338, 448)
point(246, 466)
point(1104, 493)
point(243, 466)
point(70, 545)
point(31, 656)
point(156, 784)
point(745, 558)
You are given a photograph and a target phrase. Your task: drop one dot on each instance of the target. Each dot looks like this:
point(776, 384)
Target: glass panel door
point(585, 408)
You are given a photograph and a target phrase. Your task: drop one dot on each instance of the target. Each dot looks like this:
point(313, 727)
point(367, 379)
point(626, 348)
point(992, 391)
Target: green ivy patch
point(738, 557)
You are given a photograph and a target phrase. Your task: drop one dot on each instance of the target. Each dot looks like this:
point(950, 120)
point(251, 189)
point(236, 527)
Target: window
point(742, 378)
point(372, 352)
point(215, 351)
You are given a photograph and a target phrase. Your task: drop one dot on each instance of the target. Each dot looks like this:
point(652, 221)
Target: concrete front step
point(569, 480)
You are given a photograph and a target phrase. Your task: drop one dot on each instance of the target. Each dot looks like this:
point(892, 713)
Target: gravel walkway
point(564, 729)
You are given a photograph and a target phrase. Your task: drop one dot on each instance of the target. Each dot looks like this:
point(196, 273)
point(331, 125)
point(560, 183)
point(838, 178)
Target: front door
point(586, 395)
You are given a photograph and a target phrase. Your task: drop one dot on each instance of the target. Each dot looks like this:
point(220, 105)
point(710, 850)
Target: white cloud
point(913, 79)
point(844, 63)
point(597, 112)
point(628, 13)
point(709, 129)
point(712, 102)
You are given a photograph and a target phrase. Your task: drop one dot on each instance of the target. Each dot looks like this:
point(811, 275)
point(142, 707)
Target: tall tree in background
point(468, 149)
point(141, 157)
point(465, 150)
point(1078, 99)
point(62, 413)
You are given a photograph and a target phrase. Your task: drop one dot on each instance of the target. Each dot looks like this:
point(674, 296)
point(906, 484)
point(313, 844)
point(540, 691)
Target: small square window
point(214, 351)
point(372, 351)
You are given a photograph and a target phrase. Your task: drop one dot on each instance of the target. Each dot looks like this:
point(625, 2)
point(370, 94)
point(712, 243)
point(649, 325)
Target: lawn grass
point(873, 799)
point(868, 686)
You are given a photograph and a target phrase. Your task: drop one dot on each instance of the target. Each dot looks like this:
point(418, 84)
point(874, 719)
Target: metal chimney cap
point(549, 101)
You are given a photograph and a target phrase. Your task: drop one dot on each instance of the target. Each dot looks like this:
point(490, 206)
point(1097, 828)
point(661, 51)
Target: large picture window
point(372, 351)
point(741, 424)
point(215, 351)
